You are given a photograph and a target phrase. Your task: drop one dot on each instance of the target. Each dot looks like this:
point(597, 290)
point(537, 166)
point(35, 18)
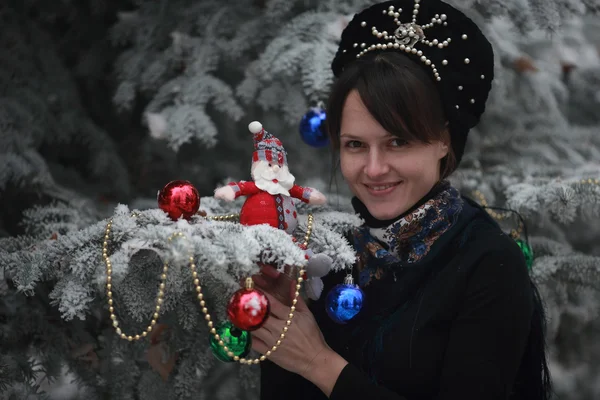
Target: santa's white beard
point(263, 177)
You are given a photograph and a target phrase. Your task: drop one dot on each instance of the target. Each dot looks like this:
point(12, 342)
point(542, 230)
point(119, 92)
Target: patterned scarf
point(407, 240)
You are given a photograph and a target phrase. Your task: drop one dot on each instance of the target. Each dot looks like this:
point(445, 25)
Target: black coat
point(455, 326)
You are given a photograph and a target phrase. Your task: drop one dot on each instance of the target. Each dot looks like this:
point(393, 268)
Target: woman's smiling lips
point(381, 189)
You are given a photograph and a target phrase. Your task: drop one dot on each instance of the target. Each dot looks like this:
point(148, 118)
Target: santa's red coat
point(262, 207)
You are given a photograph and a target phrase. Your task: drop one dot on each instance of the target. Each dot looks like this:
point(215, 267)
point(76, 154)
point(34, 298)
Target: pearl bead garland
point(200, 295)
point(109, 294)
point(516, 233)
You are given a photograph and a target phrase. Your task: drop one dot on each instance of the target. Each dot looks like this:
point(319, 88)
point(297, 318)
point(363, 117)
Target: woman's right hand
point(277, 284)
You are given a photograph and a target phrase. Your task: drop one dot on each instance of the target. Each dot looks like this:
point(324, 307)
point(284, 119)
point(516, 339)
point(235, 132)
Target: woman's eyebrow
point(351, 136)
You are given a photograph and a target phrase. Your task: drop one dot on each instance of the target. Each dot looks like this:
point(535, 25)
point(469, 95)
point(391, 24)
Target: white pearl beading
point(407, 35)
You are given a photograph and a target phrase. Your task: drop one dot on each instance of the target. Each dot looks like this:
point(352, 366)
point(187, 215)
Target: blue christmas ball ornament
point(312, 128)
point(344, 301)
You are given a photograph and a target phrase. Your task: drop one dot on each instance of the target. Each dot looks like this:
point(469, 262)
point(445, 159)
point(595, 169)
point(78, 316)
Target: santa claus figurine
point(269, 195)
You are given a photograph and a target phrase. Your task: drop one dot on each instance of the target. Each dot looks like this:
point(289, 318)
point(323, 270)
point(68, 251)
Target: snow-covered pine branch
point(297, 62)
point(173, 57)
point(225, 251)
point(70, 265)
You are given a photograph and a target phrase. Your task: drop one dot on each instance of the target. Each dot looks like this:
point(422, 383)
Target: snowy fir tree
point(103, 102)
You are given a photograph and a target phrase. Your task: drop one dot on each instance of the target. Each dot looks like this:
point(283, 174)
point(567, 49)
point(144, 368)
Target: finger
point(301, 305)
point(262, 282)
point(262, 333)
point(273, 325)
point(266, 337)
point(278, 309)
point(259, 345)
point(269, 270)
point(292, 289)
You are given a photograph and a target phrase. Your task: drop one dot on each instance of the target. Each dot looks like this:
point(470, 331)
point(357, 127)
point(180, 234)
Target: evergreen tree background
point(102, 102)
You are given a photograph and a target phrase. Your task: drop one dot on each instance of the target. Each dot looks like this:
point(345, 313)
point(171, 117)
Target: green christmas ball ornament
point(527, 252)
point(237, 341)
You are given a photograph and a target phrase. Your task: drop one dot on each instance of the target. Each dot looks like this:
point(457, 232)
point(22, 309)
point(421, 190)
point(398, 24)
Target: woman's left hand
point(303, 341)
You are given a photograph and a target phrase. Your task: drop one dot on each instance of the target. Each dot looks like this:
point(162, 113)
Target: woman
point(450, 311)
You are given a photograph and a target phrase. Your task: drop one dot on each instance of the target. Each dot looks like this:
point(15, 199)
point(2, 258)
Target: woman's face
point(389, 176)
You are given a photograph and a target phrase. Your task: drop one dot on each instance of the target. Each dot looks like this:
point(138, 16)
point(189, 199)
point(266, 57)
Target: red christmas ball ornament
point(248, 308)
point(179, 199)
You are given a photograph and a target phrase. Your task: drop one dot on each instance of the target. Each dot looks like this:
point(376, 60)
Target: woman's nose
point(376, 165)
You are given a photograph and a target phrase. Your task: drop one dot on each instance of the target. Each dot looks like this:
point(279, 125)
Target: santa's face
point(272, 178)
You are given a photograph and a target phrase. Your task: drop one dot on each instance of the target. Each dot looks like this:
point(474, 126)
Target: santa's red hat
point(266, 146)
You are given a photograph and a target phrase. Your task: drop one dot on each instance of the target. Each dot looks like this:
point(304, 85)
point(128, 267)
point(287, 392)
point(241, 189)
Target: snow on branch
point(225, 251)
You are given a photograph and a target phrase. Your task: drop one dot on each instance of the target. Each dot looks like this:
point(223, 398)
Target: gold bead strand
point(514, 233)
point(288, 322)
point(226, 217)
point(109, 294)
point(590, 181)
point(309, 227)
point(496, 215)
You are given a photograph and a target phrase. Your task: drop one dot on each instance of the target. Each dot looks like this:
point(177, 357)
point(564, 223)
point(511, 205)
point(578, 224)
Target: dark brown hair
point(400, 96)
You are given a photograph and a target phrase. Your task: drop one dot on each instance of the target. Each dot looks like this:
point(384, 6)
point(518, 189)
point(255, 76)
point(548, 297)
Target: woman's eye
point(399, 142)
point(353, 144)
